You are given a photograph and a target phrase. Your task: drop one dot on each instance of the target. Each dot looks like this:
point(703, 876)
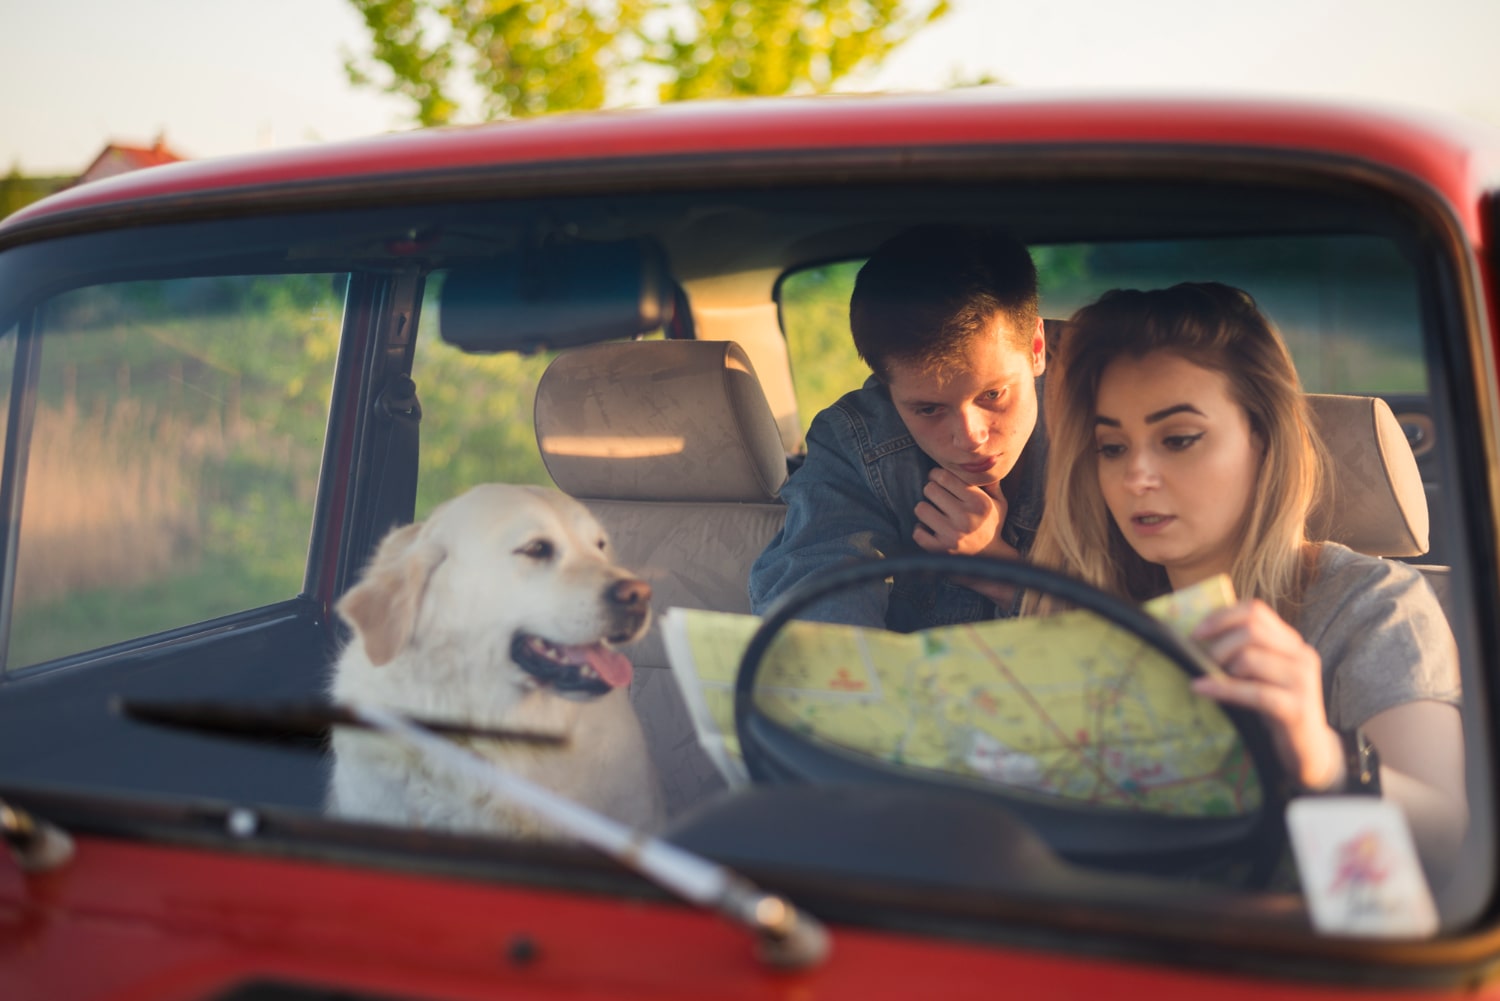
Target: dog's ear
point(382, 608)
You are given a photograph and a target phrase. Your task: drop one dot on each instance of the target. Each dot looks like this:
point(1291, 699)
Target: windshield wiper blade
point(298, 724)
point(788, 938)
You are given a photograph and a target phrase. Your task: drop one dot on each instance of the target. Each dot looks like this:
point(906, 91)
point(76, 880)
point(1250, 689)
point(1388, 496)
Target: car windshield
point(209, 431)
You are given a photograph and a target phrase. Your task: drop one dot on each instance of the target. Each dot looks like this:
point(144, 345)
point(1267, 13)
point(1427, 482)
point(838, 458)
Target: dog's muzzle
point(588, 670)
point(629, 602)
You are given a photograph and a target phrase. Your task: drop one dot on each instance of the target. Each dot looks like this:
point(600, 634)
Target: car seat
point(674, 448)
point(1373, 498)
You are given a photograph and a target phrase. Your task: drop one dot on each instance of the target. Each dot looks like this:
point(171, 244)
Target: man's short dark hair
point(927, 291)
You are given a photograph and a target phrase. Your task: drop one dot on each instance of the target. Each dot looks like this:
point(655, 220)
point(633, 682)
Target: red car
point(224, 381)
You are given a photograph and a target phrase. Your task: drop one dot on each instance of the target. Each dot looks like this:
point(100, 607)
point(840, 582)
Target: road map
point(1064, 706)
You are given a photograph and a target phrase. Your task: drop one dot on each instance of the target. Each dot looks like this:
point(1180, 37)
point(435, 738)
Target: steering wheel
point(1088, 835)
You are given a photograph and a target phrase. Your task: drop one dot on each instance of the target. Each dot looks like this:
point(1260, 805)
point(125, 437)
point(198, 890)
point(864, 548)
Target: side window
point(1346, 305)
point(174, 454)
point(477, 423)
point(815, 318)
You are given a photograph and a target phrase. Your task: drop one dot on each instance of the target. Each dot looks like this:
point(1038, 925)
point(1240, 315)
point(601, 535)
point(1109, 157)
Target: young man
point(941, 450)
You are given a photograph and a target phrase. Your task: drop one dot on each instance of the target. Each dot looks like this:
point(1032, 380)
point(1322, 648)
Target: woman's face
point(1177, 463)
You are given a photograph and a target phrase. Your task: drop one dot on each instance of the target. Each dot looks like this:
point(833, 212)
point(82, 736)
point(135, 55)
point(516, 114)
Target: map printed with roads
point(1063, 706)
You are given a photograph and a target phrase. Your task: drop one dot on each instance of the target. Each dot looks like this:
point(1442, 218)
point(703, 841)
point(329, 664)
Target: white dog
point(500, 610)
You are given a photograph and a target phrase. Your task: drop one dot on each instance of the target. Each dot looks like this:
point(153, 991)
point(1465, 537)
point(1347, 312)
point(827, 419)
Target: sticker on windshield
point(1359, 867)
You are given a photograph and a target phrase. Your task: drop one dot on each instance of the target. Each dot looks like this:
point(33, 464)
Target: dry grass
point(111, 499)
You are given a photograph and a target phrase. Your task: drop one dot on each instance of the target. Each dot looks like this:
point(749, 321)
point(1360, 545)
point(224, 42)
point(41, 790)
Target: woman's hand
point(1271, 669)
point(959, 518)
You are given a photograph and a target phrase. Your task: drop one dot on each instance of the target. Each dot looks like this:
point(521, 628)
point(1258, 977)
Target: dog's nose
point(630, 594)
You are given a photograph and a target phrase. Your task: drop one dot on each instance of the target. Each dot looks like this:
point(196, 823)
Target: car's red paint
point(129, 921)
point(132, 920)
point(1435, 152)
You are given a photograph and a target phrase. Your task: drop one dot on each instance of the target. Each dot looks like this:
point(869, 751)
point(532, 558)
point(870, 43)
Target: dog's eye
point(537, 549)
point(603, 545)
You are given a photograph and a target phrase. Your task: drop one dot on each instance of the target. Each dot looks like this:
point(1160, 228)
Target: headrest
point(1373, 499)
point(659, 420)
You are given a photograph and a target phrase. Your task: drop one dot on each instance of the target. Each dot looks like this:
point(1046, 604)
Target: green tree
point(532, 57)
point(17, 192)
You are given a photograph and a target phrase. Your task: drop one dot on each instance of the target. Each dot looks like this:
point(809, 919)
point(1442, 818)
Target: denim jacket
point(856, 496)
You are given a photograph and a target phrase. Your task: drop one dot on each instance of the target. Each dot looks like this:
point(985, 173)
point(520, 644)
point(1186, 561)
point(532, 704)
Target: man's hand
point(961, 519)
point(965, 520)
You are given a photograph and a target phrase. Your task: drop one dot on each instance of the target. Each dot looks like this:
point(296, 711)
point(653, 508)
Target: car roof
point(1456, 158)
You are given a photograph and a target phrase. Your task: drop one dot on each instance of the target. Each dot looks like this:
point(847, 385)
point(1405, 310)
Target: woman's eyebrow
point(1165, 412)
point(1153, 417)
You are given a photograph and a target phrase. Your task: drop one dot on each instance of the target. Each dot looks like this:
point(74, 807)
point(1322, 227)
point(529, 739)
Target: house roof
point(117, 158)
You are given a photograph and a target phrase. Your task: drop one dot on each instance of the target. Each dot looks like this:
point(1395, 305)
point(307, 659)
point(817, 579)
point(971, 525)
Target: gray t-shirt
point(1383, 637)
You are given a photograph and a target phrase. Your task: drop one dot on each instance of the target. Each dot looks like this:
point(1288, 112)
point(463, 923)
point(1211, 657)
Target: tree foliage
point(516, 58)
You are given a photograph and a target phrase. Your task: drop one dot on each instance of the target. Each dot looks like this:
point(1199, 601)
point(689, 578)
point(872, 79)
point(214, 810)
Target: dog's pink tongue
point(611, 665)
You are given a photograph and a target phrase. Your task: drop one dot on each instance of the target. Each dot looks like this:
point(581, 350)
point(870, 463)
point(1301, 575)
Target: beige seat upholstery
point(754, 323)
point(1373, 499)
point(674, 448)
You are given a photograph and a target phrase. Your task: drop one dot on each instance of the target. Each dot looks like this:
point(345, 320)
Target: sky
point(216, 78)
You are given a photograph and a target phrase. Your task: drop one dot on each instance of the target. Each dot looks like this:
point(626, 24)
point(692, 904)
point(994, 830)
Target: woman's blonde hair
point(1215, 327)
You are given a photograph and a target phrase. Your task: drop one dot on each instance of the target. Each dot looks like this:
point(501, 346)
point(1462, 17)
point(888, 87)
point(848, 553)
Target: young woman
point(1181, 449)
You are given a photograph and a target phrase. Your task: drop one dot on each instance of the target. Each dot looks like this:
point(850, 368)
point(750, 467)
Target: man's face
point(974, 416)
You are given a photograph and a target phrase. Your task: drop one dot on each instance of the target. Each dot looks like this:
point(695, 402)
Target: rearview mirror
point(556, 297)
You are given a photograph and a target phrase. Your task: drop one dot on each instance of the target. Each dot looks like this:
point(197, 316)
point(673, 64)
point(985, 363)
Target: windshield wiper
point(788, 938)
point(298, 724)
